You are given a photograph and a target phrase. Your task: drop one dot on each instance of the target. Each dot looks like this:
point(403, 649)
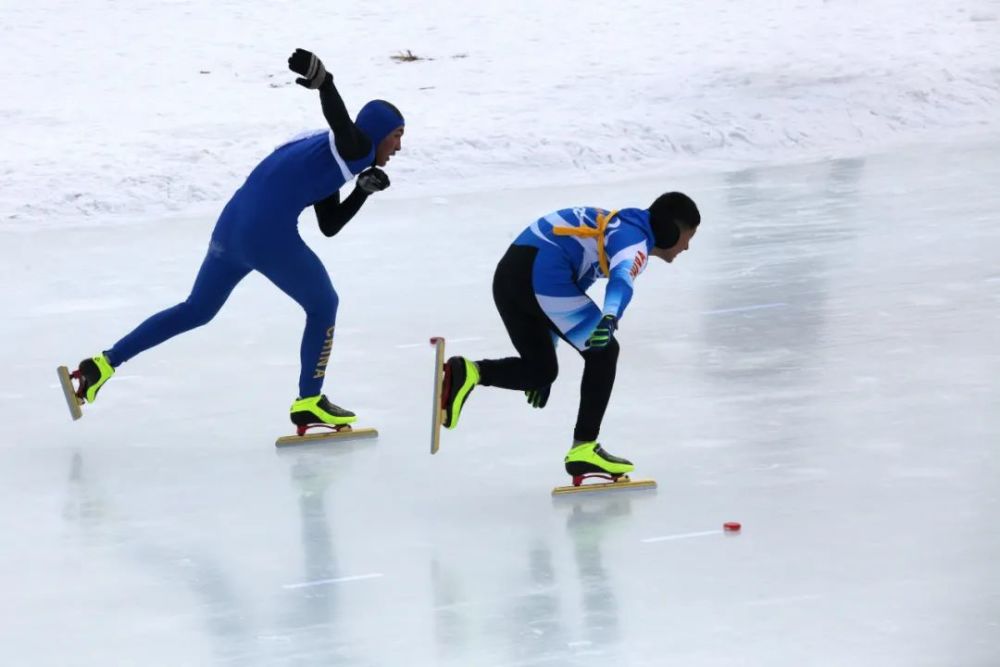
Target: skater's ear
point(666, 234)
point(669, 215)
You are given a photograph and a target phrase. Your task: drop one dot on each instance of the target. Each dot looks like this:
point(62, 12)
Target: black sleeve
point(351, 142)
point(332, 215)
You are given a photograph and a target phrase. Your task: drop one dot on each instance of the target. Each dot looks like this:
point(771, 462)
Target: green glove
point(603, 333)
point(538, 397)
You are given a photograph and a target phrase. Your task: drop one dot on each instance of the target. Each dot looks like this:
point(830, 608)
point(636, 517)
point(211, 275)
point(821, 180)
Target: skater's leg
point(215, 282)
point(599, 367)
point(575, 316)
point(299, 273)
point(530, 331)
point(586, 455)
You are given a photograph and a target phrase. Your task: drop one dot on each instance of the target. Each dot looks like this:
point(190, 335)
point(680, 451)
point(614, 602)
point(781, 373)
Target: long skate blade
point(437, 412)
point(72, 402)
point(622, 484)
point(314, 438)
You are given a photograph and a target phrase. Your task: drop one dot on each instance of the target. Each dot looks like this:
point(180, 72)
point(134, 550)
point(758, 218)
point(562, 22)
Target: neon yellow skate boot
point(319, 410)
point(92, 374)
point(587, 458)
point(460, 377)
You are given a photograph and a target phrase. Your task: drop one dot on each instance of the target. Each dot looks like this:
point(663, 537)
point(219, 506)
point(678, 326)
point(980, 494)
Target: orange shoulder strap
point(603, 219)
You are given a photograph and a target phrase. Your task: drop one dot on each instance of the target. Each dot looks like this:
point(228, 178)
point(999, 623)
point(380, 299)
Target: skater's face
point(389, 147)
point(669, 254)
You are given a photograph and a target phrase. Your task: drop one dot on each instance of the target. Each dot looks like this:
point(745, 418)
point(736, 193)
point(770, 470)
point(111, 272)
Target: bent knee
point(544, 374)
point(322, 305)
point(198, 312)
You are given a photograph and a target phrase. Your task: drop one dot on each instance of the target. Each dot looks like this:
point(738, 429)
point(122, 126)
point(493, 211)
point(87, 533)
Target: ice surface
point(821, 366)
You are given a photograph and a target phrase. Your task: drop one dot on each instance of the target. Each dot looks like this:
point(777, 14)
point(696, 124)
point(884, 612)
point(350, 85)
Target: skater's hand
point(538, 397)
point(373, 180)
point(603, 333)
point(309, 66)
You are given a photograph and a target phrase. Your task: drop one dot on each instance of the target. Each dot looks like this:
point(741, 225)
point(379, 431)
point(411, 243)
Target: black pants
point(531, 333)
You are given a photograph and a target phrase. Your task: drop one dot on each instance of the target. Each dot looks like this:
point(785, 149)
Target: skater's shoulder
point(633, 215)
point(313, 135)
point(636, 218)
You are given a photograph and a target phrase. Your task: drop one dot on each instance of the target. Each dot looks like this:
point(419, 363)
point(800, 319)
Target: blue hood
point(378, 119)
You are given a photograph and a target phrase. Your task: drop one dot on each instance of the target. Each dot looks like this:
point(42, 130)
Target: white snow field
point(821, 366)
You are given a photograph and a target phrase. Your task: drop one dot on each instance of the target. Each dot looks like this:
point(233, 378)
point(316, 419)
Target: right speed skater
point(539, 288)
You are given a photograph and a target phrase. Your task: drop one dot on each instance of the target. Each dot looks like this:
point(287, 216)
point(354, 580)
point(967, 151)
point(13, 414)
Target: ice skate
point(91, 375)
point(319, 410)
point(588, 460)
point(460, 377)
point(333, 422)
point(590, 457)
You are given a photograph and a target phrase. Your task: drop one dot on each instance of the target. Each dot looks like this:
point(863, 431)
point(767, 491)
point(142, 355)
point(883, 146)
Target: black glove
point(373, 180)
point(309, 66)
point(538, 397)
point(603, 333)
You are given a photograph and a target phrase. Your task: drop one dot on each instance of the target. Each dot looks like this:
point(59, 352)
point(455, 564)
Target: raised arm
point(351, 142)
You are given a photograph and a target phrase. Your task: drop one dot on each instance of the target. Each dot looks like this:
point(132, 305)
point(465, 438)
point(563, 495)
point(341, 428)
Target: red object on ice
point(732, 526)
